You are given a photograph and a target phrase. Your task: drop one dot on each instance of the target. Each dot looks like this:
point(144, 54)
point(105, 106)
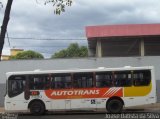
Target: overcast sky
point(30, 19)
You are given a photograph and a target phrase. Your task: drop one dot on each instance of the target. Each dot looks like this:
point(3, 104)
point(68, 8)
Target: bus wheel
point(37, 108)
point(114, 106)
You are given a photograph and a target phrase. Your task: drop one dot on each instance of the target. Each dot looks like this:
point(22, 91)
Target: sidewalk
point(145, 108)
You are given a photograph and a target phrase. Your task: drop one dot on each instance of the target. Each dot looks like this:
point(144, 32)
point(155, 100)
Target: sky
point(32, 22)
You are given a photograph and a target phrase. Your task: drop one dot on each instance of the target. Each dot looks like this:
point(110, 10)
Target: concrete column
point(142, 50)
point(99, 48)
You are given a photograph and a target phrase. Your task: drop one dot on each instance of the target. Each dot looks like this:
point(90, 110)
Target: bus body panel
point(16, 103)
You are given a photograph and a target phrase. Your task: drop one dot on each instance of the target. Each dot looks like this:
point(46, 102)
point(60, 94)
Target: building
point(124, 40)
point(5, 57)
point(13, 52)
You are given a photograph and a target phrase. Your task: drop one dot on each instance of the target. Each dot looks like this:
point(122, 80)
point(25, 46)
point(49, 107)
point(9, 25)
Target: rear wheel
point(37, 108)
point(114, 106)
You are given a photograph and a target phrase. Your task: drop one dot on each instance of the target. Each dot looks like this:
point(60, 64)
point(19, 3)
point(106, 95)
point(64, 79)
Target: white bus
point(80, 89)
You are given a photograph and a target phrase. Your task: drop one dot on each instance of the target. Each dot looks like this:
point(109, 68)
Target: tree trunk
point(4, 25)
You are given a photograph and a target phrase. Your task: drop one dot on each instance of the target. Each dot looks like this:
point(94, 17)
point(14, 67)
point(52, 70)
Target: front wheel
point(114, 106)
point(37, 108)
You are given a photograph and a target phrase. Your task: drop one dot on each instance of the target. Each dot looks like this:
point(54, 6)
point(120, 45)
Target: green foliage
point(74, 50)
point(59, 5)
point(28, 55)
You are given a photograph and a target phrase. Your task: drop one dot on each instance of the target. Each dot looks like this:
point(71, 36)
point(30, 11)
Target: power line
point(48, 39)
point(38, 46)
point(43, 46)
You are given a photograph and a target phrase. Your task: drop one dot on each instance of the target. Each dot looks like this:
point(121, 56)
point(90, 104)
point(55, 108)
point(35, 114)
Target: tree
point(74, 50)
point(59, 6)
point(28, 55)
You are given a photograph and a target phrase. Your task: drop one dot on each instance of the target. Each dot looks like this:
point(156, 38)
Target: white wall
point(25, 65)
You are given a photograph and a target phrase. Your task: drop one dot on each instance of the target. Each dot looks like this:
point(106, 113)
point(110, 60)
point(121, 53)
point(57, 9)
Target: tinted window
point(83, 80)
point(122, 78)
point(16, 85)
point(142, 78)
point(61, 81)
point(39, 82)
point(104, 79)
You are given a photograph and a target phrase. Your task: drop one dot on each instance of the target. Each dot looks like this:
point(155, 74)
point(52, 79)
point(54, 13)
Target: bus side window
point(83, 80)
point(122, 79)
point(142, 78)
point(39, 82)
point(104, 79)
point(61, 81)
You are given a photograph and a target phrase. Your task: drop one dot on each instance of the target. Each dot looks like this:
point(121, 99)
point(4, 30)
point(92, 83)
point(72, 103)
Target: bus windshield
point(15, 85)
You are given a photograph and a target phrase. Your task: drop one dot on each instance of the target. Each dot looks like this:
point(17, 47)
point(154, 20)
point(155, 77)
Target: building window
point(142, 78)
point(83, 80)
point(61, 81)
point(104, 79)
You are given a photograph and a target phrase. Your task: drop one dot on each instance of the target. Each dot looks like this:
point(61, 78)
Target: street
point(65, 116)
point(143, 114)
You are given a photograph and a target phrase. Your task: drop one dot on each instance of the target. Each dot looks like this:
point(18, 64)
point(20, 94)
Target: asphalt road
point(133, 114)
point(65, 116)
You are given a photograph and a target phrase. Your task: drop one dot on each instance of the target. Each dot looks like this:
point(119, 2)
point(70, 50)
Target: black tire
point(114, 106)
point(37, 108)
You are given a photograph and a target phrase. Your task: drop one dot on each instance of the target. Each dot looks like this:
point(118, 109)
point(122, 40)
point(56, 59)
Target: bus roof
point(78, 70)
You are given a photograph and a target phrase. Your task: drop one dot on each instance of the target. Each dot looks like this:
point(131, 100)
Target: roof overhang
point(128, 30)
